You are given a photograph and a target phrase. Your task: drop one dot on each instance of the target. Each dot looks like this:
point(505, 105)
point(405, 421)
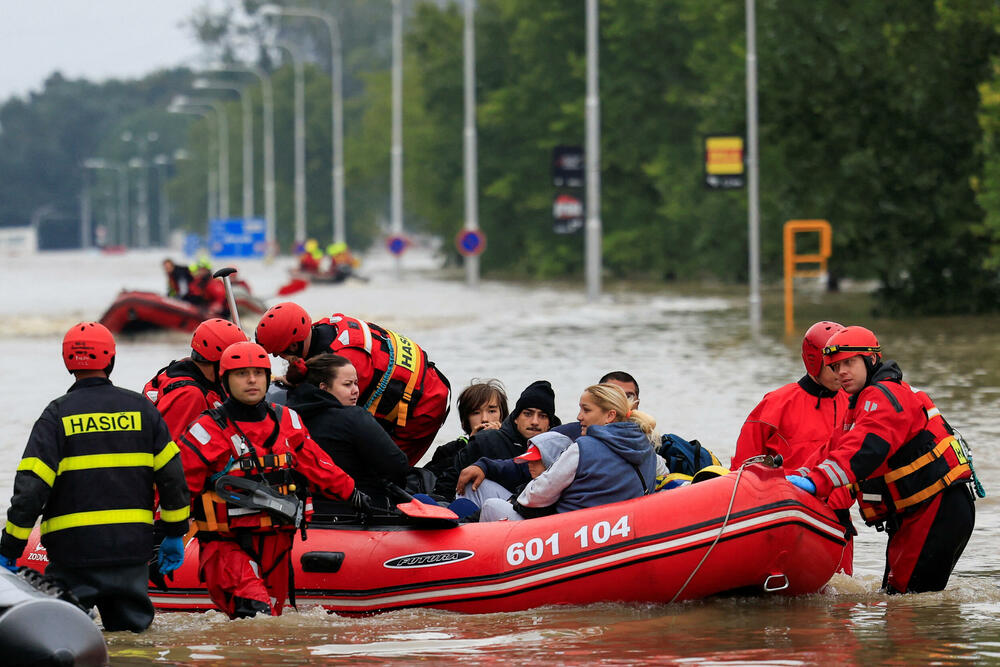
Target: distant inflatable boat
point(135, 312)
point(37, 628)
point(746, 533)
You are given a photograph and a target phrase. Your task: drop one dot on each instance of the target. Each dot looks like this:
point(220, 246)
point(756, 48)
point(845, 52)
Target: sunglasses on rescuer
point(833, 349)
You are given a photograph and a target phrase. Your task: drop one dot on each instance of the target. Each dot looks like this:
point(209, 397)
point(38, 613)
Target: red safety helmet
point(851, 342)
point(244, 355)
point(88, 346)
point(283, 325)
point(813, 343)
point(212, 337)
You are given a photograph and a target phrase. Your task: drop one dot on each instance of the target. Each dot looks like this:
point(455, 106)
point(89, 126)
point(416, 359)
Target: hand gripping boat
point(748, 532)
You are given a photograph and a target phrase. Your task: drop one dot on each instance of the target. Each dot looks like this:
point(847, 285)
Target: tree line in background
point(883, 118)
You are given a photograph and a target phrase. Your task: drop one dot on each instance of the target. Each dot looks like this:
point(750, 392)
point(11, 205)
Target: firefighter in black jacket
point(89, 470)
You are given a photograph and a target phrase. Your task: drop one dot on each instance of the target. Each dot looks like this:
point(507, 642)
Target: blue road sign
point(470, 242)
point(237, 237)
point(397, 245)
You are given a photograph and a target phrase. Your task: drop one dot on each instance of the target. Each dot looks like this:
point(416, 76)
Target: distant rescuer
point(259, 447)
point(89, 469)
point(399, 385)
point(911, 472)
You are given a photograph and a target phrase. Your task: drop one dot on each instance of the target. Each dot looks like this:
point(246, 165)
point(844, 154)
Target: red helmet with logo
point(851, 342)
point(813, 343)
point(88, 346)
point(212, 337)
point(283, 325)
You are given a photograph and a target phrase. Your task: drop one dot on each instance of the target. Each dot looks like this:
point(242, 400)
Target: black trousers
point(120, 593)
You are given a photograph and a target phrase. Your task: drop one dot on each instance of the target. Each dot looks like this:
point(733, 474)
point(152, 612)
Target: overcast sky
point(92, 39)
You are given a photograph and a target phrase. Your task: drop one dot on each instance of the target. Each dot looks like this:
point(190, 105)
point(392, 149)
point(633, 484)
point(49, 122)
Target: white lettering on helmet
point(200, 434)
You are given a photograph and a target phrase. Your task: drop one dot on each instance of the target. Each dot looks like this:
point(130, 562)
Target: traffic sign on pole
point(470, 242)
point(397, 244)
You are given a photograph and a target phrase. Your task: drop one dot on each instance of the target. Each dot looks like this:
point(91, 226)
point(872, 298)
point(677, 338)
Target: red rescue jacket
point(181, 392)
point(217, 444)
point(895, 445)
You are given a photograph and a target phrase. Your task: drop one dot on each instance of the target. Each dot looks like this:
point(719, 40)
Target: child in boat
point(491, 491)
point(481, 406)
point(612, 461)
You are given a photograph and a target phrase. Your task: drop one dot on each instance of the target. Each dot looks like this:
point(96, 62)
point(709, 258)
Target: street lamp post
point(101, 163)
point(337, 111)
point(300, 142)
point(396, 151)
point(753, 193)
point(245, 102)
point(141, 141)
point(162, 162)
point(593, 159)
point(181, 104)
point(267, 98)
point(142, 202)
point(471, 159)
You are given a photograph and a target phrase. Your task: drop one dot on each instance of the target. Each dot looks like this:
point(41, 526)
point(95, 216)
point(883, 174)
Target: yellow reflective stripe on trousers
point(17, 531)
point(97, 518)
point(39, 467)
point(91, 461)
point(173, 516)
point(168, 452)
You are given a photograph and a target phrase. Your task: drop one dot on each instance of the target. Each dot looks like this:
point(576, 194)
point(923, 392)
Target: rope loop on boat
point(722, 528)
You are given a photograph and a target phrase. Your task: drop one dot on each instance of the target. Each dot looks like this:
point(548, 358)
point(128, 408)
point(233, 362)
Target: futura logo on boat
point(428, 559)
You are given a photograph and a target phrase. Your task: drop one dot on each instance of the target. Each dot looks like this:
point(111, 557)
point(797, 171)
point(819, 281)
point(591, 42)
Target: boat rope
point(722, 528)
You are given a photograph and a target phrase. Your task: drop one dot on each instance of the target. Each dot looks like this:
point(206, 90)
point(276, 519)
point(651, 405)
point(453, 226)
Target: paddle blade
point(419, 510)
point(293, 286)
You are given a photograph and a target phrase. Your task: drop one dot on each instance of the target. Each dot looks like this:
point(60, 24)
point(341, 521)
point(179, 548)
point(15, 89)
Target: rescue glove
point(9, 563)
point(171, 554)
point(361, 502)
point(803, 483)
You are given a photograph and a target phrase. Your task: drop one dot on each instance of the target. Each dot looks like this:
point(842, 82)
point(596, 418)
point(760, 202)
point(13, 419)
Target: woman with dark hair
point(481, 406)
point(325, 393)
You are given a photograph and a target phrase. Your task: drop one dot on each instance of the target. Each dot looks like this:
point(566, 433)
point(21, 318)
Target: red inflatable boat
point(747, 533)
point(132, 311)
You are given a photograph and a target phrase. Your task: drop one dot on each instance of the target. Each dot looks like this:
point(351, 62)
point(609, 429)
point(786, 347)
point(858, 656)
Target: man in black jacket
point(89, 470)
point(533, 413)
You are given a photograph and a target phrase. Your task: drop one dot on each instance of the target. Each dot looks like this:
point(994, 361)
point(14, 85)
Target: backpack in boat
point(685, 457)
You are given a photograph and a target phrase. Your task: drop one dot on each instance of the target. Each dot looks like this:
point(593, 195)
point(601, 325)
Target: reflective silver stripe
point(200, 434)
point(933, 412)
point(834, 472)
point(239, 511)
point(294, 416)
point(871, 497)
point(368, 336)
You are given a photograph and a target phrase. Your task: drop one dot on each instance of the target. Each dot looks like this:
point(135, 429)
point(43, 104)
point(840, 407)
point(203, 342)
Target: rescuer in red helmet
point(184, 389)
point(231, 453)
point(797, 420)
point(89, 469)
point(902, 459)
point(399, 385)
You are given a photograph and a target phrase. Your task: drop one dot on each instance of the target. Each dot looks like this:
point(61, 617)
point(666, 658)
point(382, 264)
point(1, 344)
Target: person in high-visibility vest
point(89, 469)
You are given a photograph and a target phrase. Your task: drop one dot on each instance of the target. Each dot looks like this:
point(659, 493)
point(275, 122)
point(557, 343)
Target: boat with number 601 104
point(746, 532)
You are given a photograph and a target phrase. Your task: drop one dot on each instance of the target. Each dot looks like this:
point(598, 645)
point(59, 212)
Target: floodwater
point(700, 373)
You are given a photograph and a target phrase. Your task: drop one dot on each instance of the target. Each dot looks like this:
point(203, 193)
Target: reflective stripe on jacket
point(89, 470)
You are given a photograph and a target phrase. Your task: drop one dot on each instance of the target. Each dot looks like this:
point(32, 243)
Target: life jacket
point(927, 464)
point(399, 367)
point(213, 514)
point(172, 377)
